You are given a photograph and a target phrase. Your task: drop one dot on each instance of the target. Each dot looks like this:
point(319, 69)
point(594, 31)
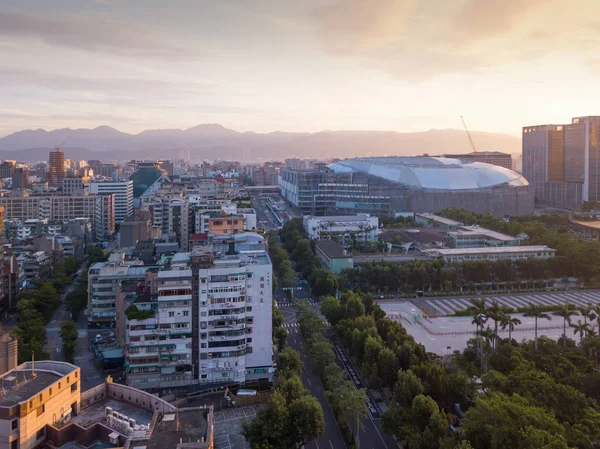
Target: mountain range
point(213, 141)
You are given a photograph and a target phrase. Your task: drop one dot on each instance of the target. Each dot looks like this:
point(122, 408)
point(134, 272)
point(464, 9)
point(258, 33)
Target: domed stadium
point(430, 184)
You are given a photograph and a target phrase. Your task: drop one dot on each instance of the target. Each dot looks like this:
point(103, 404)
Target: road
point(91, 375)
point(371, 436)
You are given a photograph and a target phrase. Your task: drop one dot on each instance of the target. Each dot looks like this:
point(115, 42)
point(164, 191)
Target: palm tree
point(581, 329)
point(495, 312)
point(536, 311)
point(489, 336)
point(511, 322)
point(566, 311)
point(479, 308)
point(587, 312)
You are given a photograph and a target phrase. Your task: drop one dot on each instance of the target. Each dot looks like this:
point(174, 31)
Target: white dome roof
point(435, 173)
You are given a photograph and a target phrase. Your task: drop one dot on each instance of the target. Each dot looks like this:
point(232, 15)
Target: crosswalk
point(290, 304)
point(53, 329)
point(296, 325)
point(447, 306)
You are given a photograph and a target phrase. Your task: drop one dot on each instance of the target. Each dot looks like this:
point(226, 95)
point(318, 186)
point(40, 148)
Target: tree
point(279, 337)
point(495, 312)
point(277, 318)
point(332, 309)
point(349, 404)
point(71, 265)
point(581, 329)
point(289, 363)
point(566, 311)
point(354, 307)
point(510, 322)
point(321, 354)
point(421, 426)
point(325, 283)
point(306, 418)
point(69, 336)
point(407, 388)
point(536, 311)
point(498, 420)
point(587, 312)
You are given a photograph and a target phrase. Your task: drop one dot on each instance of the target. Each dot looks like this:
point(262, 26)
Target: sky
point(310, 65)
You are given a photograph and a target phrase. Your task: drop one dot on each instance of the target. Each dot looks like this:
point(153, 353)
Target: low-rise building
point(493, 253)
point(36, 265)
point(333, 256)
point(478, 237)
point(347, 230)
point(428, 219)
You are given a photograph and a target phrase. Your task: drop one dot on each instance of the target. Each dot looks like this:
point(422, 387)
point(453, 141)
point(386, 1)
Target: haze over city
point(268, 224)
point(266, 65)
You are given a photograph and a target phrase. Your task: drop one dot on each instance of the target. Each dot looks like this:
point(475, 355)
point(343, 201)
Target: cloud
point(417, 40)
point(88, 33)
point(352, 26)
point(54, 81)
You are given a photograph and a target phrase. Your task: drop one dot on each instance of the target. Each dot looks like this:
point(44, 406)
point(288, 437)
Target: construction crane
point(468, 134)
point(57, 148)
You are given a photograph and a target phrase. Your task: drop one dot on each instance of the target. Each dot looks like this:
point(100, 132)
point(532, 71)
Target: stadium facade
point(385, 185)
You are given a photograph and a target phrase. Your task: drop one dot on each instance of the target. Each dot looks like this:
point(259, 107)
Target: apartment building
point(158, 351)
point(123, 192)
point(103, 280)
point(105, 217)
point(226, 224)
point(234, 310)
point(55, 208)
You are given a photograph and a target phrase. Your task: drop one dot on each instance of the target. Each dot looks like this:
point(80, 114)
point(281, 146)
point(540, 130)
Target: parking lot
point(228, 427)
point(445, 334)
point(447, 306)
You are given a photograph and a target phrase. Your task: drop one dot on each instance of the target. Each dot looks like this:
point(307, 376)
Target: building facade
point(123, 192)
point(56, 167)
point(562, 162)
point(345, 229)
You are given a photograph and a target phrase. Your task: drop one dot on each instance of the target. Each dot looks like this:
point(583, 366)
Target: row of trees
point(279, 332)
point(292, 417)
point(348, 402)
point(69, 335)
point(295, 245)
point(36, 306)
point(436, 275)
point(389, 358)
point(580, 258)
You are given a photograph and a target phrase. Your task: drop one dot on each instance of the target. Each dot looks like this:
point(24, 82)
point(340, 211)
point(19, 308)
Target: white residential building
point(235, 311)
point(344, 229)
point(123, 191)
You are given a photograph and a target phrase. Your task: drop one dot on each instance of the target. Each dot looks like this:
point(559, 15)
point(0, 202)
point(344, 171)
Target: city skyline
point(386, 65)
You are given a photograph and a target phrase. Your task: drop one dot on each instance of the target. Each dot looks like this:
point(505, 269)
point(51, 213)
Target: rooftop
point(432, 173)
point(439, 219)
point(491, 250)
point(19, 385)
point(95, 413)
point(357, 217)
point(331, 248)
point(476, 230)
point(187, 426)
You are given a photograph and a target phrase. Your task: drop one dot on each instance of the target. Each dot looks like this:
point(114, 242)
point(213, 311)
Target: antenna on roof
point(32, 365)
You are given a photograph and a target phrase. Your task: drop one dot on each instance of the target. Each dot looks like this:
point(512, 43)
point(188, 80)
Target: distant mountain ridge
point(214, 141)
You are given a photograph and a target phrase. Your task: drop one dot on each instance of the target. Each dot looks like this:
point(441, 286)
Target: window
point(74, 387)
point(186, 313)
point(171, 314)
point(14, 423)
point(41, 409)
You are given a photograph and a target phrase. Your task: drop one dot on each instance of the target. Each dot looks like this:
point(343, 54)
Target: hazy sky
point(307, 65)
